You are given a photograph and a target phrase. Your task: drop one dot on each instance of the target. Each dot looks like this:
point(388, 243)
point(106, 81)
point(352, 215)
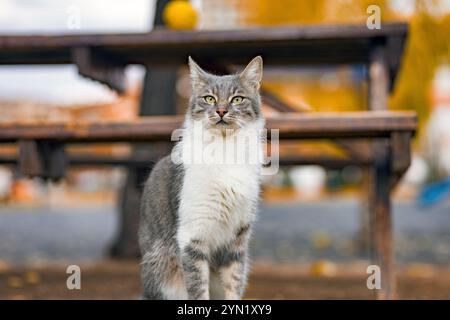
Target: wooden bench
point(42, 153)
point(103, 57)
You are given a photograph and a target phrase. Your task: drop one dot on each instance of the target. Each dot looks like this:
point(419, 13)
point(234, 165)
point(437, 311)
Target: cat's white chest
point(217, 198)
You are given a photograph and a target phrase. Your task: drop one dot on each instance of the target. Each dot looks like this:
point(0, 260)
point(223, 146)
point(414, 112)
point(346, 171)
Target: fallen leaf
point(32, 277)
point(323, 268)
point(15, 282)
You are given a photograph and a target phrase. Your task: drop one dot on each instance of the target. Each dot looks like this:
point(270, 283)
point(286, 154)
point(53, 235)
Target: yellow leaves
point(14, 282)
point(331, 91)
point(287, 12)
point(32, 277)
point(17, 281)
point(428, 46)
point(323, 268)
point(420, 271)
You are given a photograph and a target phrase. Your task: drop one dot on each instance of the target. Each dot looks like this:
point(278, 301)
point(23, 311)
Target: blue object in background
point(434, 193)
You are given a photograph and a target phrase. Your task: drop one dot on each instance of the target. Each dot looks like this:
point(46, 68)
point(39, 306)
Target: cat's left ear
point(253, 73)
point(198, 75)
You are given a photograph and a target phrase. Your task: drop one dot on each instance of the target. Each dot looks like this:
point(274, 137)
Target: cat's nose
point(221, 112)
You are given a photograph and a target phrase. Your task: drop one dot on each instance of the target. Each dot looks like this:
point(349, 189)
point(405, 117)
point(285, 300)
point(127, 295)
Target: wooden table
point(42, 152)
point(104, 58)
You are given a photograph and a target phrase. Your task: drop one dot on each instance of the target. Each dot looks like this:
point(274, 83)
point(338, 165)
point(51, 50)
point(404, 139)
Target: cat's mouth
point(221, 122)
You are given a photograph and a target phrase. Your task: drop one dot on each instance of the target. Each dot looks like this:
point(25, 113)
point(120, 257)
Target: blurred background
point(310, 222)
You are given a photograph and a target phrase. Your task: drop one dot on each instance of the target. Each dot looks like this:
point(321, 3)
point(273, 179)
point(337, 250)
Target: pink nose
point(221, 112)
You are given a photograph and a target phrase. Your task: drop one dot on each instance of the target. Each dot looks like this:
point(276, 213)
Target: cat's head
point(226, 102)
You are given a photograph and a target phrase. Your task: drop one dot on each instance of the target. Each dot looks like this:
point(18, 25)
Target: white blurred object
point(62, 84)
point(438, 140)
point(438, 127)
point(50, 17)
point(218, 14)
point(89, 181)
point(417, 173)
point(308, 181)
point(5, 181)
point(276, 180)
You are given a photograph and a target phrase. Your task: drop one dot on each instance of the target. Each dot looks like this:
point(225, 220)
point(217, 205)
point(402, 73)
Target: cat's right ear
point(198, 75)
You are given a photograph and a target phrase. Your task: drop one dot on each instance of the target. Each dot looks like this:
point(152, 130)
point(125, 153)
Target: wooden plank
point(401, 151)
point(381, 219)
point(394, 51)
point(100, 67)
point(162, 36)
point(300, 44)
point(158, 97)
point(378, 89)
point(341, 124)
point(159, 128)
point(379, 80)
point(30, 163)
point(141, 160)
point(401, 155)
point(276, 103)
point(357, 149)
point(42, 158)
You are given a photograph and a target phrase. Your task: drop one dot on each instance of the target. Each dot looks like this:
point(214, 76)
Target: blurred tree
point(318, 11)
point(428, 47)
point(428, 44)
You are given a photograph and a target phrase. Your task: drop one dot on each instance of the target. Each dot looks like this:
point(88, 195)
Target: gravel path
point(284, 232)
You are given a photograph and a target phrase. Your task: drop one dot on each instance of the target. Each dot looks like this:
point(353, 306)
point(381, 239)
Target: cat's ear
point(253, 73)
point(198, 75)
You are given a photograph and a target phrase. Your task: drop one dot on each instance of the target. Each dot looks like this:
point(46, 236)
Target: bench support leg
point(158, 98)
point(381, 220)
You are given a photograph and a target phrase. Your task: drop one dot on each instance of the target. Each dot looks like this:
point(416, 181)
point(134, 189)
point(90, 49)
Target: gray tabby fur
point(171, 272)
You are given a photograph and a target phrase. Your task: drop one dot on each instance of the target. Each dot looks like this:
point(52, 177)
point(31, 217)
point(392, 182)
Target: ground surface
point(295, 232)
point(120, 280)
point(320, 239)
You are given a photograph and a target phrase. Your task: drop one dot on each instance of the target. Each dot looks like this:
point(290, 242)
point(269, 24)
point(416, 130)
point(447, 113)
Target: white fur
point(176, 290)
point(216, 290)
point(173, 288)
point(217, 198)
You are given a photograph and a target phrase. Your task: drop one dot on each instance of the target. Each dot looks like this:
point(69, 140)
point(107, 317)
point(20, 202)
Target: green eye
point(237, 100)
point(209, 99)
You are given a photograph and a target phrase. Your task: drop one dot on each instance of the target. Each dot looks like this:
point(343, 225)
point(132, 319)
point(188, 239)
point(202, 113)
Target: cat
point(196, 217)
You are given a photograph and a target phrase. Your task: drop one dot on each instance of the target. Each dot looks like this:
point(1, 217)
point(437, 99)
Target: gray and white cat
point(196, 217)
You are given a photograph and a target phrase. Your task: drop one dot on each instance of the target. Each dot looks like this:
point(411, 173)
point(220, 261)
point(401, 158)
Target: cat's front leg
point(234, 278)
point(233, 268)
point(194, 258)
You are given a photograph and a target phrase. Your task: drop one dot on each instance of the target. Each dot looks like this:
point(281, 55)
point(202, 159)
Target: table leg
point(381, 220)
point(158, 98)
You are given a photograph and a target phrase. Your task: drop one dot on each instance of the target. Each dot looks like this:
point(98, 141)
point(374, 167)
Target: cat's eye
point(237, 100)
point(209, 99)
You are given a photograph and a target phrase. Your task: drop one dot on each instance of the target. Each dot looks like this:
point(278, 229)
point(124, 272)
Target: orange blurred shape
point(4, 266)
point(420, 271)
point(18, 297)
point(14, 282)
point(323, 268)
point(180, 15)
point(22, 191)
point(32, 277)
